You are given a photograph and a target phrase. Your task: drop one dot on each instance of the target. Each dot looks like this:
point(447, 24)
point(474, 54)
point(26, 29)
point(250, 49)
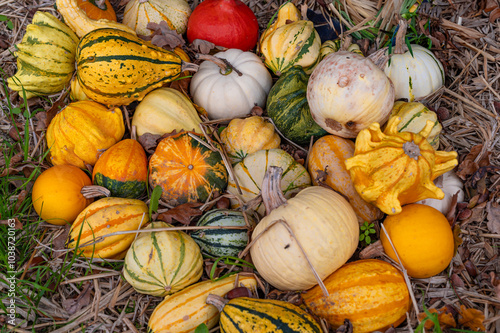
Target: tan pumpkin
point(328, 154)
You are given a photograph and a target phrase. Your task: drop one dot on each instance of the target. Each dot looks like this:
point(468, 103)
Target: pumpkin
point(371, 293)
point(414, 117)
point(293, 44)
point(138, 13)
point(45, 57)
point(76, 93)
point(97, 9)
point(222, 242)
point(123, 169)
point(423, 239)
point(186, 309)
point(103, 217)
point(347, 92)
point(137, 66)
point(288, 108)
point(450, 184)
point(223, 92)
point(227, 23)
point(56, 194)
point(165, 110)
point(394, 168)
point(186, 170)
point(80, 131)
point(245, 136)
point(286, 13)
point(322, 221)
point(160, 263)
point(328, 154)
point(250, 174)
point(76, 18)
point(245, 314)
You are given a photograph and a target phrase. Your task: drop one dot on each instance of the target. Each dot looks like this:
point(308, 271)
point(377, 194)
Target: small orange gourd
point(97, 9)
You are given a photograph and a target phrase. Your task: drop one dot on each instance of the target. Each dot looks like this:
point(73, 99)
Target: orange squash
point(186, 170)
point(371, 293)
point(329, 153)
point(97, 9)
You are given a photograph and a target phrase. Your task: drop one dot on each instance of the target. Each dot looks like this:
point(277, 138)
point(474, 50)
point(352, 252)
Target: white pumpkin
point(138, 13)
point(230, 95)
point(347, 92)
point(450, 184)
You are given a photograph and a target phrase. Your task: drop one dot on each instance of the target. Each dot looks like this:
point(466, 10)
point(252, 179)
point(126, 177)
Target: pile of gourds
point(299, 234)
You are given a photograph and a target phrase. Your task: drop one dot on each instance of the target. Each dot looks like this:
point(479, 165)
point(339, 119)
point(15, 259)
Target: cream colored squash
point(450, 184)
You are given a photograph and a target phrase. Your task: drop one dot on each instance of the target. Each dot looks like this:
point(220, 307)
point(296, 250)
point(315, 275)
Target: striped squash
point(244, 314)
point(123, 169)
point(186, 170)
point(45, 57)
point(163, 262)
point(115, 67)
point(371, 293)
point(286, 13)
point(185, 310)
point(222, 242)
point(250, 174)
point(103, 217)
point(288, 108)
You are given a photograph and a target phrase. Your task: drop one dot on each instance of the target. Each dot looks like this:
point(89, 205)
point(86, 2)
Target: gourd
point(123, 169)
point(187, 309)
point(45, 57)
point(227, 23)
point(250, 174)
point(322, 221)
point(76, 93)
point(137, 66)
point(245, 136)
point(138, 13)
point(331, 46)
point(77, 19)
point(56, 194)
point(394, 168)
point(245, 314)
point(222, 242)
point(288, 108)
point(186, 170)
point(103, 217)
point(165, 110)
point(161, 263)
point(422, 238)
point(414, 117)
point(347, 92)
point(328, 154)
point(286, 13)
point(97, 9)
point(450, 184)
point(79, 132)
point(231, 91)
point(371, 293)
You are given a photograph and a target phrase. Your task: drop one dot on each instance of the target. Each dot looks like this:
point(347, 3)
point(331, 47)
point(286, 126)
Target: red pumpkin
point(227, 23)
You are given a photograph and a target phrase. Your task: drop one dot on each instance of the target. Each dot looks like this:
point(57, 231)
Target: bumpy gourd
point(287, 13)
point(45, 57)
point(394, 168)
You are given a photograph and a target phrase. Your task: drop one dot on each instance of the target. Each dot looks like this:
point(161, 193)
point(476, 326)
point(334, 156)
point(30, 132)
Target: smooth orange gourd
point(97, 9)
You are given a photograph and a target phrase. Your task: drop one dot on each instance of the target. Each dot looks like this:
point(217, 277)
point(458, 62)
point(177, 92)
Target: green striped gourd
point(160, 263)
point(222, 242)
point(288, 108)
point(45, 57)
point(115, 67)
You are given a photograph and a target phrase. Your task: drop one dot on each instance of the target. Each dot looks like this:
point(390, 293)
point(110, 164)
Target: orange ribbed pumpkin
point(97, 9)
point(329, 153)
point(371, 293)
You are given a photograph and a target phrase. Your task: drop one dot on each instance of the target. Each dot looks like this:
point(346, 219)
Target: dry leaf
point(471, 318)
point(149, 142)
point(204, 47)
point(345, 328)
point(457, 240)
point(181, 213)
point(15, 223)
point(468, 166)
point(164, 36)
point(494, 15)
point(55, 108)
point(493, 210)
point(73, 305)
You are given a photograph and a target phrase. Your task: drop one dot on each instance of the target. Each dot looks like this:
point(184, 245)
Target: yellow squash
point(287, 13)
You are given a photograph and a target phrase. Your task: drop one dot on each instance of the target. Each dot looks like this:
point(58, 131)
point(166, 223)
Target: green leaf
point(16, 110)
point(155, 198)
point(368, 239)
point(202, 328)
point(409, 46)
point(361, 237)
point(10, 25)
point(3, 18)
point(372, 231)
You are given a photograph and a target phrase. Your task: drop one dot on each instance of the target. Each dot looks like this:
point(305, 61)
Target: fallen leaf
point(14, 134)
point(73, 305)
point(494, 15)
point(12, 223)
point(163, 36)
point(456, 281)
point(149, 142)
point(204, 47)
point(59, 242)
point(481, 173)
point(457, 240)
point(471, 318)
point(55, 108)
point(345, 328)
point(468, 166)
point(181, 213)
point(493, 210)
point(41, 124)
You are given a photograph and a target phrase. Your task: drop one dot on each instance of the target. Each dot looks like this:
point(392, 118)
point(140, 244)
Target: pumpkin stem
point(272, 196)
point(401, 47)
point(92, 191)
point(187, 66)
point(225, 66)
point(412, 150)
point(216, 301)
point(101, 4)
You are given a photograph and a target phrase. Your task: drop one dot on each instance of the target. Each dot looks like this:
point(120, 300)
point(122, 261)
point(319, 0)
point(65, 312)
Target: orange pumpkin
point(97, 9)
point(371, 293)
point(56, 194)
point(186, 170)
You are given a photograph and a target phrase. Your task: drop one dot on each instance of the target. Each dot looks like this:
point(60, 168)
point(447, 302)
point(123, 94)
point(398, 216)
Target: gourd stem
point(224, 65)
point(216, 301)
point(272, 196)
point(92, 191)
point(188, 66)
point(400, 47)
